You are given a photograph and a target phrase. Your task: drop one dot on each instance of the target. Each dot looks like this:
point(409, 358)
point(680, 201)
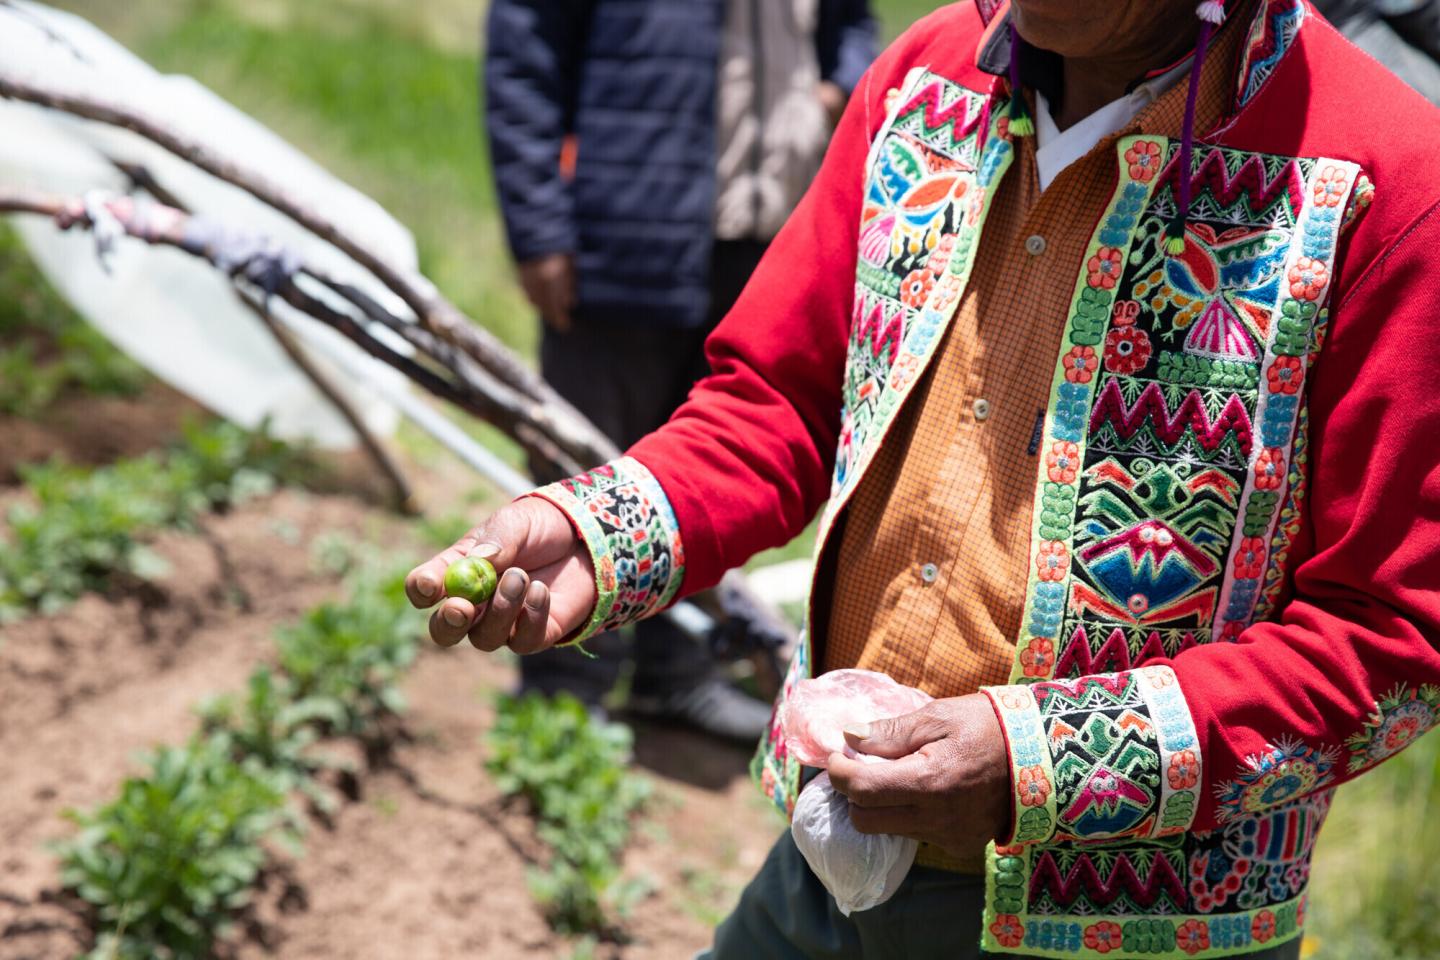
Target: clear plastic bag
point(860, 870)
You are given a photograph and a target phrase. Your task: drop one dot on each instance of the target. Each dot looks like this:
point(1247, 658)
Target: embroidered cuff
point(1102, 757)
point(625, 520)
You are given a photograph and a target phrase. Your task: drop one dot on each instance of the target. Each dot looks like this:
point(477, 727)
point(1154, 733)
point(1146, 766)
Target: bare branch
point(400, 487)
point(571, 431)
point(467, 385)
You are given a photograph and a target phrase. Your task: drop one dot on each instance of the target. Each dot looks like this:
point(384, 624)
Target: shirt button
point(1035, 245)
point(981, 408)
point(929, 572)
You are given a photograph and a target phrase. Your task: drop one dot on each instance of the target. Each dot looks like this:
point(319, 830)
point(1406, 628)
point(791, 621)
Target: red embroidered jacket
point(1281, 600)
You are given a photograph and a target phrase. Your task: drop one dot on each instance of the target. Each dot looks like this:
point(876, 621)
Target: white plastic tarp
point(172, 312)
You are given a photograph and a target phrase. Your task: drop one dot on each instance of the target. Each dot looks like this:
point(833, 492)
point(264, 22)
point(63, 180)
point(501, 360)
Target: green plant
point(344, 660)
point(226, 465)
point(168, 862)
point(47, 346)
point(82, 527)
point(270, 727)
point(574, 772)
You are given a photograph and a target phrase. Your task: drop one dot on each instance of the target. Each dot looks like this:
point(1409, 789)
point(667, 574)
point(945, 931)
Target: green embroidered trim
point(628, 526)
point(1306, 286)
point(1204, 371)
point(1009, 929)
point(1072, 392)
point(891, 341)
point(1032, 774)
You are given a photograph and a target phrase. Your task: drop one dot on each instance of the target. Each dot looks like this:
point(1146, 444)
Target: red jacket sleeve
point(745, 463)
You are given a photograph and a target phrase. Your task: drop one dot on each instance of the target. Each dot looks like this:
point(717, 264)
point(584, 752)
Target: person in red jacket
point(1103, 340)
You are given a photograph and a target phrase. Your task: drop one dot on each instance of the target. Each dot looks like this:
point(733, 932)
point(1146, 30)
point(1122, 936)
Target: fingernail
point(860, 731)
point(535, 596)
point(512, 585)
point(426, 586)
point(454, 617)
point(485, 551)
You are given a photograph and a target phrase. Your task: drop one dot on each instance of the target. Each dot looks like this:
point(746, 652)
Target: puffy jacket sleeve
point(745, 463)
point(1347, 674)
point(531, 71)
point(846, 41)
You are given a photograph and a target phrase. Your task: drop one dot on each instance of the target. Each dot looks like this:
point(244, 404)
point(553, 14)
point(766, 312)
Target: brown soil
point(424, 861)
point(89, 430)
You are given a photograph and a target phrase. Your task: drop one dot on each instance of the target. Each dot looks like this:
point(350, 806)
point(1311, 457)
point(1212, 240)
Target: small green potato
point(471, 578)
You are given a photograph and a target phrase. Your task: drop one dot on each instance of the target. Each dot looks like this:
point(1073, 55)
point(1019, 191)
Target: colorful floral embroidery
point(1103, 937)
point(1270, 469)
point(1192, 937)
point(1286, 771)
point(630, 530)
point(1127, 350)
point(1080, 364)
point(1400, 717)
point(1053, 560)
point(1143, 156)
point(1184, 770)
point(1033, 787)
point(1104, 268)
point(915, 289)
point(1331, 187)
point(1285, 375)
point(1176, 399)
point(1062, 463)
point(1038, 657)
point(1007, 930)
point(1308, 279)
point(928, 179)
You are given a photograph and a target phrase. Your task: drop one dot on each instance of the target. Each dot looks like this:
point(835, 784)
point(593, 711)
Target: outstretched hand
point(949, 784)
point(547, 582)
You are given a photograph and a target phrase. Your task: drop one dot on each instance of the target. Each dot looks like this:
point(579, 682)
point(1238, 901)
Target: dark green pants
point(785, 914)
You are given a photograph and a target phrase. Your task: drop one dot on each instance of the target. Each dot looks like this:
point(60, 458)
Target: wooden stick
point(468, 388)
point(571, 431)
point(401, 494)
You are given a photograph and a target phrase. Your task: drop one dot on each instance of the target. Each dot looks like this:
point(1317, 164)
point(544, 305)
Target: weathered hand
point(549, 284)
point(949, 784)
point(546, 589)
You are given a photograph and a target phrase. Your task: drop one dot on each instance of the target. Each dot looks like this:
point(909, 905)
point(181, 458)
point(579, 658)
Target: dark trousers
point(628, 379)
point(786, 914)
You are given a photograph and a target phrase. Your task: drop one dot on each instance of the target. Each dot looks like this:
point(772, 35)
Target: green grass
point(897, 15)
point(1375, 895)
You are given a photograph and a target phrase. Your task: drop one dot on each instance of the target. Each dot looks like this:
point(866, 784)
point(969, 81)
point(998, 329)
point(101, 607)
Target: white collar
point(1055, 149)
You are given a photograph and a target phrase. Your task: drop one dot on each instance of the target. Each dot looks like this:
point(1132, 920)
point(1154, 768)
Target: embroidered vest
point(1168, 490)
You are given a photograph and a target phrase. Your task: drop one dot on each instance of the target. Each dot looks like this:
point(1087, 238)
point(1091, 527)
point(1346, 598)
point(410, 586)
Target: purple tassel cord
point(1021, 125)
point(1211, 14)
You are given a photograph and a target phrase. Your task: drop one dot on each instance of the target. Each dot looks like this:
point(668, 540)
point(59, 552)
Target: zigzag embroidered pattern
point(961, 119)
point(1157, 888)
point(1151, 415)
point(1264, 192)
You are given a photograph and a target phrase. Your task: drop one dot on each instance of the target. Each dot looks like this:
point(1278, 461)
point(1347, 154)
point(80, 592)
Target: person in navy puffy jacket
point(645, 153)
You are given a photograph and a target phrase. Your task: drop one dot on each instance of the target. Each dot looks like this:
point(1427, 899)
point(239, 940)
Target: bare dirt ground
point(422, 860)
